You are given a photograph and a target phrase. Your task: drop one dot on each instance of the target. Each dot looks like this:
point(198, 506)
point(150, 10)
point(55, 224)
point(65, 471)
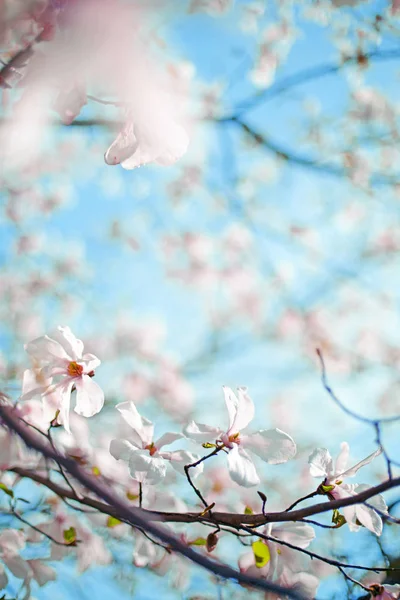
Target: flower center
point(151, 448)
point(234, 438)
point(74, 370)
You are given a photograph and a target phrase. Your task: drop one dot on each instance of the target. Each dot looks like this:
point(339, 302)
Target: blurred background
point(277, 233)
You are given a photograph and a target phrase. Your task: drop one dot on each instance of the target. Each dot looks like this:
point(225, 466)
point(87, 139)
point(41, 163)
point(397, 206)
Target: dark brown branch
point(220, 518)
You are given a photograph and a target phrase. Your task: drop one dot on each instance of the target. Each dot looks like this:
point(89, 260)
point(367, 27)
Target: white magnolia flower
point(63, 366)
point(137, 144)
point(276, 557)
point(321, 465)
point(147, 463)
point(271, 445)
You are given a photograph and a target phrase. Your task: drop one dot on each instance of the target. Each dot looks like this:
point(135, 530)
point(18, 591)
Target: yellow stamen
point(75, 370)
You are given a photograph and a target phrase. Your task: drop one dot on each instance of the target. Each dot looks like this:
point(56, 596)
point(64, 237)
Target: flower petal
point(377, 501)
point(143, 428)
point(65, 392)
point(201, 433)
point(168, 438)
point(342, 459)
point(369, 518)
point(181, 458)
point(72, 346)
point(272, 445)
point(123, 147)
point(321, 464)
point(240, 409)
point(146, 468)
point(45, 349)
point(241, 468)
point(298, 534)
point(89, 397)
point(121, 449)
point(353, 470)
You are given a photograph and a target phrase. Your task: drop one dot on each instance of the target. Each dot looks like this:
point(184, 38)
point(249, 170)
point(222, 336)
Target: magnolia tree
point(257, 245)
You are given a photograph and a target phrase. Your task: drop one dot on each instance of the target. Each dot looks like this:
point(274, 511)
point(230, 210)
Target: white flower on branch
point(271, 445)
point(63, 366)
point(321, 465)
point(164, 142)
point(147, 463)
point(279, 563)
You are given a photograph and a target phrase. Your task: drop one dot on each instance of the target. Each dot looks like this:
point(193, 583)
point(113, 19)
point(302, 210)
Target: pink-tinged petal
point(271, 445)
point(72, 346)
point(12, 540)
point(168, 438)
point(181, 458)
point(343, 458)
point(240, 409)
point(201, 433)
point(369, 518)
point(241, 468)
point(89, 397)
point(145, 468)
point(45, 349)
point(17, 565)
point(123, 147)
point(321, 464)
point(353, 470)
point(143, 428)
point(121, 449)
point(69, 103)
point(42, 573)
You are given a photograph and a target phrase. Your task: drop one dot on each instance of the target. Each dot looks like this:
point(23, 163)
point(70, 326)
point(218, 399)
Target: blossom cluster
point(60, 368)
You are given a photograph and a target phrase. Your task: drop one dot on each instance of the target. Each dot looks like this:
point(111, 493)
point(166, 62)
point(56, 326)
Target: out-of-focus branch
point(312, 74)
point(292, 157)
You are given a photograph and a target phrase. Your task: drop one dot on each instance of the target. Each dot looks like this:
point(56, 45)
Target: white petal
point(91, 362)
point(299, 534)
point(369, 518)
point(89, 397)
point(343, 458)
point(45, 349)
point(201, 433)
point(123, 147)
point(353, 470)
point(142, 427)
point(241, 468)
point(121, 449)
point(168, 438)
point(146, 468)
point(72, 346)
point(144, 552)
point(175, 148)
point(321, 464)
point(65, 392)
point(377, 501)
point(272, 445)
point(240, 409)
point(181, 458)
